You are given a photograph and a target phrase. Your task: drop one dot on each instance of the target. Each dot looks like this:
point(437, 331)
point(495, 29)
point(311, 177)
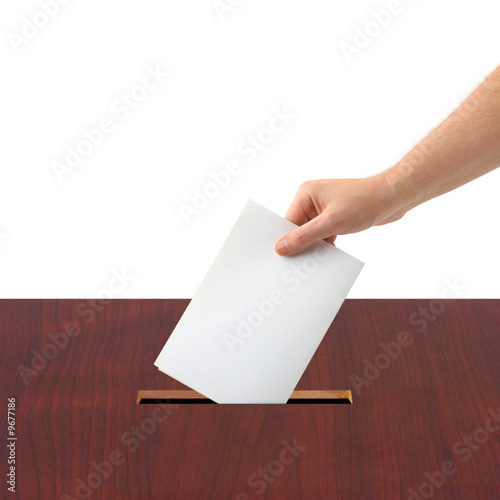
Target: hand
point(328, 207)
point(464, 147)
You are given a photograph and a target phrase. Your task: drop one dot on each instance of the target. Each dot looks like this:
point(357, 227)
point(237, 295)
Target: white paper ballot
point(257, 318)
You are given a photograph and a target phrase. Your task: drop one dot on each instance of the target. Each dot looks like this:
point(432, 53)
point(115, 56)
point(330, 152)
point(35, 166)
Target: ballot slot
point(193, 397)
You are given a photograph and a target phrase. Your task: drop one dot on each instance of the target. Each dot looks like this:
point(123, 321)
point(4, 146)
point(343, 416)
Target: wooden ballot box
point(420, 413)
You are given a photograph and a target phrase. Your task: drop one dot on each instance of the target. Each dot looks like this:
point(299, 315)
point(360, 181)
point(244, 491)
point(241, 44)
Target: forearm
point(465, 146)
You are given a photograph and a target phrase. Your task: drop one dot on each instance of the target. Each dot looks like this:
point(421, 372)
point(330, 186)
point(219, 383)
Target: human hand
point(326, 208)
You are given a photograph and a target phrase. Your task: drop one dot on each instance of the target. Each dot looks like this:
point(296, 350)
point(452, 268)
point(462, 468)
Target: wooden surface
point(81, 408)
point(305, 396)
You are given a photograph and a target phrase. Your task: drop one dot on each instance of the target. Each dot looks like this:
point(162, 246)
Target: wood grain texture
point(81, 408)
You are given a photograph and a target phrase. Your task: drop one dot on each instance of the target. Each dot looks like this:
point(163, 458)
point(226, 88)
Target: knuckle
point(299, 239)
point(304, 186)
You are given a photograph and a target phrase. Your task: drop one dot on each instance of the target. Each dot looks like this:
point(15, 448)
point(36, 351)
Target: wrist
point(393, 191)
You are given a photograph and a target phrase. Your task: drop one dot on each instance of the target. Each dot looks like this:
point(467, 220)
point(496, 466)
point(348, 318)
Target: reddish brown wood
point(402, 425)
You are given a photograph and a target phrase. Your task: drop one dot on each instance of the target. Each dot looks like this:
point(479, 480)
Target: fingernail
point(282, 247)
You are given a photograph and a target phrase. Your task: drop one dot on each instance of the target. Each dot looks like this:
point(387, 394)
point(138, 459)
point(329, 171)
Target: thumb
point(304, 236)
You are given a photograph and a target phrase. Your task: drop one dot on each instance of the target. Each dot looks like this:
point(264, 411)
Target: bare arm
point(465, 146)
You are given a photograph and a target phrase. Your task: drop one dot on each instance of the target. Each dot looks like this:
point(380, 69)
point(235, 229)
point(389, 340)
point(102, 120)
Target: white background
point(119, 209)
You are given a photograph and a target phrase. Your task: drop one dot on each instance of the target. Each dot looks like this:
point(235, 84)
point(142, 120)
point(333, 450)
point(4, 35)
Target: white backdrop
point(85, 213)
